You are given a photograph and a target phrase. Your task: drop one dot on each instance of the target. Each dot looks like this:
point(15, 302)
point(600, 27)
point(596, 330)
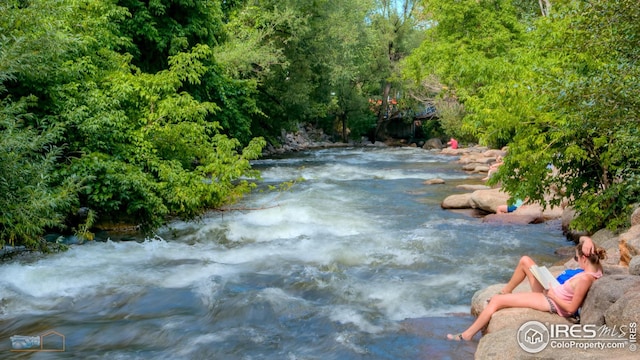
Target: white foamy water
point(332, 268)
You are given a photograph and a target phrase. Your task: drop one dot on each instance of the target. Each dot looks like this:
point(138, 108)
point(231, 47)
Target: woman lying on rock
point(563, 300)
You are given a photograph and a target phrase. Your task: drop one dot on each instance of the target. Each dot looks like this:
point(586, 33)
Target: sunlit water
point(356, 261)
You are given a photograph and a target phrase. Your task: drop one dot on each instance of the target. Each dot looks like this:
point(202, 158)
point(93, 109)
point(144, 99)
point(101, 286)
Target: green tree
point(558, 86)
point(395, 23)
point(31, 201)
point(151, 149)
point(163, 28)
point(159, 29)
point(588, 128)
point(472, 50)
point(259, 99)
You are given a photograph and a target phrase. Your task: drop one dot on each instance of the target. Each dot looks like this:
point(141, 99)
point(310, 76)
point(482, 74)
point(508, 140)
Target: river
point(356, 260)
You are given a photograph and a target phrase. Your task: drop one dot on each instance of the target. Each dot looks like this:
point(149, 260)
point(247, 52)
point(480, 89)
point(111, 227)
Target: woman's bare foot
point(456, 337)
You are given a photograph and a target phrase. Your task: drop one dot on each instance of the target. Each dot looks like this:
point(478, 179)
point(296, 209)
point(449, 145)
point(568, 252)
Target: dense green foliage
point(561, 90)
point(121, 111)
point(83, 126)
point(128, 111)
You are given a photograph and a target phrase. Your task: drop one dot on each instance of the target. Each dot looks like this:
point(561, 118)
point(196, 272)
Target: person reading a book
point(563, 300)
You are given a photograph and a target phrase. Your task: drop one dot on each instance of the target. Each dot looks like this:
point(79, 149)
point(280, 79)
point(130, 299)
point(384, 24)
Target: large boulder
point(494, 153)
point(433, 143)
point(626, 252)
point(475, 167)
point(625, 310)
point(458, 151)
point(632, 237)
point(635, 217)
point(503, 345)
point(634, 265)
point(513, 219)
point(482, 296)
point(550, 213)
point(530, 210)
point(603, 294)
point(436, 181)
point(473, 187)
point(488, 200)
point(605, 238)
point(470, 157)
point(457, 201)
point(512, 318)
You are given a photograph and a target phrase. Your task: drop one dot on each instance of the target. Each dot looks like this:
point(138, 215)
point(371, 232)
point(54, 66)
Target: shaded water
point(358, 261)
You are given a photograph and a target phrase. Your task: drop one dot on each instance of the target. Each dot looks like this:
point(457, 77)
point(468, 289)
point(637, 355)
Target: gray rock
point(513, 219)
point(635, 217)
point(433, 143)
point(457, 201)
point(625, 310)
point(473, 167)
point(433, 182)
point(480, 298)
point(614, 270)
point(603, 294)
point(503, 344)
point(494, 153)
point(499, 345)
point(513, 318)
point(488, 200)
point(634, 265)
point(632, 237)
point(472, 187)
point(605, 238)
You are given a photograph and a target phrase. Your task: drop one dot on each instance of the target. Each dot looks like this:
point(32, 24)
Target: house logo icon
point(533, 337)
point(48, 341)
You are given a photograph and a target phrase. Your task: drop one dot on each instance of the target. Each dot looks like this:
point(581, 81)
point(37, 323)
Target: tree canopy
point(120, 111)
point(558, 85)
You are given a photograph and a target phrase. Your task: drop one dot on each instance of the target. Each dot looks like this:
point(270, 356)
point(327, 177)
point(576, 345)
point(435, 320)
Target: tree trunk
point(545, 7)
point(343, 119)
point(381, 126)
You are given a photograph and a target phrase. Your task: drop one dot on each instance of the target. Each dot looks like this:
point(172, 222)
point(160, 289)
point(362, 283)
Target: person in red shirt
point(453, 143)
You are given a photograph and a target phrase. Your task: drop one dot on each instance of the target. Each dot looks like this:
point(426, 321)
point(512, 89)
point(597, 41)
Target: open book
point(544, 276)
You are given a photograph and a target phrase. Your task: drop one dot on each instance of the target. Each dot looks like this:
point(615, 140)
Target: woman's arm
point(588, 247)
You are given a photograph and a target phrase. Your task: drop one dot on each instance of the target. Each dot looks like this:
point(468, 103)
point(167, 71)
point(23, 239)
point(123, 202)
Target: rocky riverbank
point(308, 137)
point(611, 308)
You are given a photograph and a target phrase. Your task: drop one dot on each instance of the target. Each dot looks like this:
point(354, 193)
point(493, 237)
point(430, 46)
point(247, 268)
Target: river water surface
point(355, 261)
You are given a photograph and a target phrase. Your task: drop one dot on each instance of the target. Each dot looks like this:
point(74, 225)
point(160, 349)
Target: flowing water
point(356, 261)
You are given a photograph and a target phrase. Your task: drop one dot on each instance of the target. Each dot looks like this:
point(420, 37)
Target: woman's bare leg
point(520, 273)
point(535, 301)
